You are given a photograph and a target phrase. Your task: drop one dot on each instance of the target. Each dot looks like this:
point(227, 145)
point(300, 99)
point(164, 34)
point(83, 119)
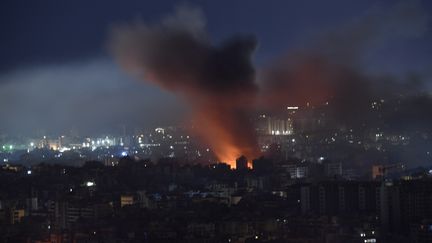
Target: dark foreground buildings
point(277, 201)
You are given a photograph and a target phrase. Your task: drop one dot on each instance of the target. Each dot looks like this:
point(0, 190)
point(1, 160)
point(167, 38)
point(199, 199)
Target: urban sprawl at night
point(216, 121)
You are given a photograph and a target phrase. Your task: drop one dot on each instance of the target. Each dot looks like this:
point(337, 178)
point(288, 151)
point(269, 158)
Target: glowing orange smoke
point(306, 80)
point(217, 81)
point(228, 155)
point(229, 136)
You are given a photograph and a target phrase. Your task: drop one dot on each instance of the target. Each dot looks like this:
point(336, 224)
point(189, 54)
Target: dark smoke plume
point(217, 81)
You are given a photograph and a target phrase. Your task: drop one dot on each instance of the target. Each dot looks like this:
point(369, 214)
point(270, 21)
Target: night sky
point(56, 72)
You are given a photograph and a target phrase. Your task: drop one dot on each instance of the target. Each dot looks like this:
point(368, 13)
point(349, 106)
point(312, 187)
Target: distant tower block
point(242, 163)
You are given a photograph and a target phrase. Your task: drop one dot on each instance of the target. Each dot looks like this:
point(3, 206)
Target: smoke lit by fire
point(218, 82)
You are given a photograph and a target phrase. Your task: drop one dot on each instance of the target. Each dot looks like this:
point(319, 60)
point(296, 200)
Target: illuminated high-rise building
point(279, 126)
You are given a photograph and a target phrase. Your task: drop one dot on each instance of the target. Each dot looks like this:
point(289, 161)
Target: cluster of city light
point(90, 184)
point(86, 145)
point(369, 240)
point(160, 130)
point(284, 132)
point(62, 149)
point(104, 142)
point(7, 147)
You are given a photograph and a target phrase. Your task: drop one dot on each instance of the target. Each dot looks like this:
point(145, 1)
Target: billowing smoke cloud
point(217, 81)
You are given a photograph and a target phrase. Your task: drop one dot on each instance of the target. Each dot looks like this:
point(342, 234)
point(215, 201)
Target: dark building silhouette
point(339, 198)
point(242, 163)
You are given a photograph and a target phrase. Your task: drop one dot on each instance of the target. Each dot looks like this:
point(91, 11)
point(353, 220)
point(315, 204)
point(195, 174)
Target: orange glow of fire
point(228, 154)
point(224, 144)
